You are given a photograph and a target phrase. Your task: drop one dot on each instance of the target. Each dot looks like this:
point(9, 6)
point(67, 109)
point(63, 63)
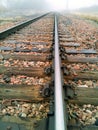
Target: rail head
point(60, 123)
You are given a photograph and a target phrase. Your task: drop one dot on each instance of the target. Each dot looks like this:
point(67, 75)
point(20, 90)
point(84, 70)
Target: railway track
point(79, 56)
point(49, 75)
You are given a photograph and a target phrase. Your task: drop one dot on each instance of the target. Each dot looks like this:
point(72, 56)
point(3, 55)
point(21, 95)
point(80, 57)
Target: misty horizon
point(46, 4)
point(23, 4)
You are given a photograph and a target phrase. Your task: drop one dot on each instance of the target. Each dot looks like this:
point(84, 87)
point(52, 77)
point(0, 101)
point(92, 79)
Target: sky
point(53, 4)
point(72, 4)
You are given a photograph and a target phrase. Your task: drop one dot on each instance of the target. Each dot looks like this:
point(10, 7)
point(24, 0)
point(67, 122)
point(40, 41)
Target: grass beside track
point(92, 17)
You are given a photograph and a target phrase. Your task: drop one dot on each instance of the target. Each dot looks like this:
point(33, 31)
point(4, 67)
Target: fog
point(24, 4)
point(46, 4)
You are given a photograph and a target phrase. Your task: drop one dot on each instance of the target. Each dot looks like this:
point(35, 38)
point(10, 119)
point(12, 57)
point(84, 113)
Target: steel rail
point(19, 26)
point(60, 123)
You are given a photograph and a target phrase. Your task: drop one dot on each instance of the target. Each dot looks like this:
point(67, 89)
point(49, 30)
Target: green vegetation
point(90, 13)
point(93, 18)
